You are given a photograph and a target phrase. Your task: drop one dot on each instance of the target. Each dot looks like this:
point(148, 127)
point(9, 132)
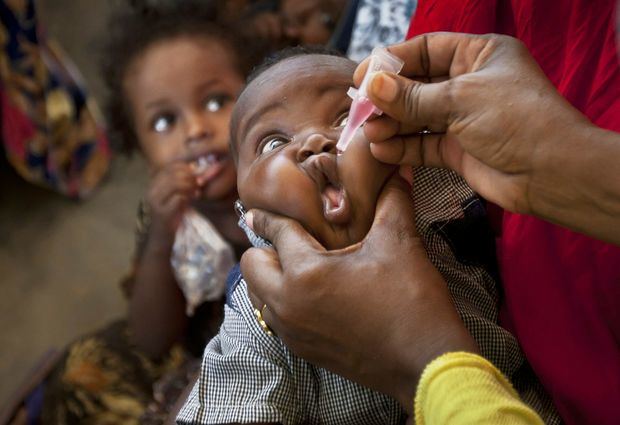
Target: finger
point(406, 172)
point(385, 127)
point(288, 237)
point(412, 102)
point(260, 265)
point(394, 214)
point(172, 174)
point(443, 53)
point(176, 202)
point(440, 54)
point(399, 150)
point(360, 71)
point(428, 55)
point(185, 187)
point(263, 274)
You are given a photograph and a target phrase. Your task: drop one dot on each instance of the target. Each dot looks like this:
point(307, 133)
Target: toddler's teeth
point(211, 159)
point(200, 165)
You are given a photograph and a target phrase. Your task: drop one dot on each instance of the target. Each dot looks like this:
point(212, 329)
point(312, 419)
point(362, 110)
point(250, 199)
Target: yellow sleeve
point(464, 388)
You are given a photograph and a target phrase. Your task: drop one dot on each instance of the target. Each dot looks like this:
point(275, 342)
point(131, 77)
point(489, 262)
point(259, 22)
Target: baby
point(284, 132)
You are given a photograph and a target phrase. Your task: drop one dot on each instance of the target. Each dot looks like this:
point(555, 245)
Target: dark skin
point(269, 173)
point(559, 168)
point(181, 93)
point(287, 154)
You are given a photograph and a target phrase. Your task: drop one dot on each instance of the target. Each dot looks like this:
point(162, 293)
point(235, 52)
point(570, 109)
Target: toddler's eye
point(342, 120)
point(272, 143)
point(216, 102)
point(163, 123)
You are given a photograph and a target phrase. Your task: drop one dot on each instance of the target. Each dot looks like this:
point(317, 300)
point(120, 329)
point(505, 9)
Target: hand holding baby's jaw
point(394, 213)
point(325, 303)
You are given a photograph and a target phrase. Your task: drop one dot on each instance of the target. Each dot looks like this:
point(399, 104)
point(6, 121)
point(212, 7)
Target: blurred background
point(72, 229)
point(61, 260)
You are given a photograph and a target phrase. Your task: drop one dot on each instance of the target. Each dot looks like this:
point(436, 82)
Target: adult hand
point(376, 312)
point(499, 122)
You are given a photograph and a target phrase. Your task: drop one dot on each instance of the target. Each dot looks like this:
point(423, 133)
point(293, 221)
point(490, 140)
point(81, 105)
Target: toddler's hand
point(171, 190)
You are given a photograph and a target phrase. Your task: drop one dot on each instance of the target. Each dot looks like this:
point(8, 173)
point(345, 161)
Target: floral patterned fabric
point(103, 379)
point(50, 130)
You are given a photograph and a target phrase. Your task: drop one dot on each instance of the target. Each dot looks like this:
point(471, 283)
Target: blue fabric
point(342, 36)
point(233, 279)
point(34, 405)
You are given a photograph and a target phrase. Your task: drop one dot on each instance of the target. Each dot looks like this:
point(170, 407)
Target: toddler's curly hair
point(144, 23)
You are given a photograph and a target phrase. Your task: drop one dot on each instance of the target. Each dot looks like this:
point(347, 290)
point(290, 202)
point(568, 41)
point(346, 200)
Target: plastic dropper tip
point(345, 138)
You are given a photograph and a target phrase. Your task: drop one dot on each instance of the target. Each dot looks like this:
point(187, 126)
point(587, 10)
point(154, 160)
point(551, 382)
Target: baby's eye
point(342, 120)
point(163, 122)
point(272, 143)
point(216, 102)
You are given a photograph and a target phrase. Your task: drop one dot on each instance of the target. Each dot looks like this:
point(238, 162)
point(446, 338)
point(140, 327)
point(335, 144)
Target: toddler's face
point(285, 128)
point(181, 93)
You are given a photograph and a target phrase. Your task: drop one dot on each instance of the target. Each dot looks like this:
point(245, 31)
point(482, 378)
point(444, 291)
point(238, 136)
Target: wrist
point(574, 179)
point(416, 367)
point(160, 238)
point(451, 336)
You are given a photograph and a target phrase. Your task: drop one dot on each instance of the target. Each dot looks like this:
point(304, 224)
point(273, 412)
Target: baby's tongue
point(333, 195)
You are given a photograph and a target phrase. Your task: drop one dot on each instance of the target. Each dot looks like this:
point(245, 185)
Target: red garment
point(562, 289)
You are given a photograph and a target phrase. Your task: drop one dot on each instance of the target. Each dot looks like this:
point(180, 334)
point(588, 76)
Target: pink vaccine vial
point(361, 107)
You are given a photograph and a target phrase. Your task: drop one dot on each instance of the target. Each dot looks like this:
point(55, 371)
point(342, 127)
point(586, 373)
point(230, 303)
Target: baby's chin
point(350, 232)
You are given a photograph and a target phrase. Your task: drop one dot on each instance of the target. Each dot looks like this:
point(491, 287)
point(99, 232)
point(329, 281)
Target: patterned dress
point(103, 379)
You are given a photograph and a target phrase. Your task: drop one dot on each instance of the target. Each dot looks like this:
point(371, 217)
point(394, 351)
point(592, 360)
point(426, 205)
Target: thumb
point(410, 102)
point(395, 214)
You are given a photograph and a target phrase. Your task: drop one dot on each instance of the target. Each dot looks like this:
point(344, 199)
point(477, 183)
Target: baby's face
point(285, 128)
point(181, 93)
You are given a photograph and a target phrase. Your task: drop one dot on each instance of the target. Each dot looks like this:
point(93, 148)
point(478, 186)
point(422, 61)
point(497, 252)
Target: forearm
point(578, 185)
point(157, 307)
point(463, 388)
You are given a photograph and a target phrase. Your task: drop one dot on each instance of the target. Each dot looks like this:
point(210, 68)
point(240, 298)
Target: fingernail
point(249, 219)
point(384, 87)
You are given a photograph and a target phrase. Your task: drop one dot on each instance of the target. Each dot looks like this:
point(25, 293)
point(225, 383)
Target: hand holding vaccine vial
point(361, 107)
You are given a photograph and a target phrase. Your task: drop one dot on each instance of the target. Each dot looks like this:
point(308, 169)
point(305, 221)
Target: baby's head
point(284, 131)
point(173, 77)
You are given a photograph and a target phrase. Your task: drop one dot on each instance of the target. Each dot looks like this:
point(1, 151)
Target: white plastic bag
point(201, 260)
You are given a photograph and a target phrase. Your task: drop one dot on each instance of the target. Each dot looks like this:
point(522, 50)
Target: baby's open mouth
point(323, 170)
point(335, 204)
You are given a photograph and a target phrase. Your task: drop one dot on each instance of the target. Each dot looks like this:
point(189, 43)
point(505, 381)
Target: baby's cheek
point(279, 186)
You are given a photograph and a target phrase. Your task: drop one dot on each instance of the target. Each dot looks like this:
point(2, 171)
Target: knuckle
point(259, 222)
point(247, 261)
point(411, 100)
point(304, 272)
point(455, 90)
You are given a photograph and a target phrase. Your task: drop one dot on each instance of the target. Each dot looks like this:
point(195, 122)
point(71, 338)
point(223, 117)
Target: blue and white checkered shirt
point(248, 376)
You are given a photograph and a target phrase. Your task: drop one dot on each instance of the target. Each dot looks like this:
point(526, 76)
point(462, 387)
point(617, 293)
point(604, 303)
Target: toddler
point(284, 132)
point(174, 75)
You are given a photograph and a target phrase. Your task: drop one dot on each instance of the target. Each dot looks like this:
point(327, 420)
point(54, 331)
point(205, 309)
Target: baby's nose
point(315, 144)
